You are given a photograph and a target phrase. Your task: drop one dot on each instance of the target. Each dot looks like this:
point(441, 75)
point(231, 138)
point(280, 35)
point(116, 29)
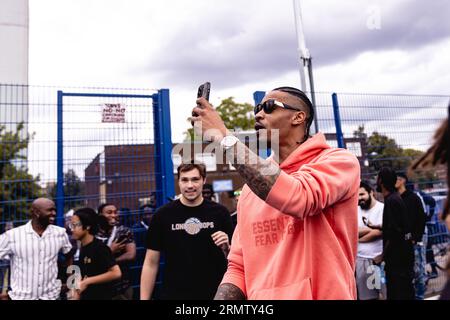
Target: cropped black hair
point(102, 206)
point(88, 218)
point(366, 186)
point(388, 178)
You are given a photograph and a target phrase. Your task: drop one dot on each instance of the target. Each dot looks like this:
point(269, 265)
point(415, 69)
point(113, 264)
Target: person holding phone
point(121, 241)
point(297, 230)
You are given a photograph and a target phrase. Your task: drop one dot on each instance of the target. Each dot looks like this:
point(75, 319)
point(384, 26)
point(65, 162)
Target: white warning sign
point(113, 112)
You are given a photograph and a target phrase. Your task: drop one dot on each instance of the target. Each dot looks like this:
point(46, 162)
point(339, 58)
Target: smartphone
point(203, 91)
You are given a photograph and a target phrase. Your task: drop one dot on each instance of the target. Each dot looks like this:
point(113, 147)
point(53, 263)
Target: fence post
point(163, 147)
point(337, 121)
point(258, 96)
point(60, 164)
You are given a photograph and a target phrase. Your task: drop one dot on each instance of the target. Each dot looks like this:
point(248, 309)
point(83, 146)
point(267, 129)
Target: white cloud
point(240, 46)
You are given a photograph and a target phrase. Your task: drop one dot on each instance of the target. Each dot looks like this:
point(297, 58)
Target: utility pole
point(305, 60)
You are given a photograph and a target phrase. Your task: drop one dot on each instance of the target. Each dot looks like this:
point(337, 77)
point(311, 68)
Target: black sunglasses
point(270, 105)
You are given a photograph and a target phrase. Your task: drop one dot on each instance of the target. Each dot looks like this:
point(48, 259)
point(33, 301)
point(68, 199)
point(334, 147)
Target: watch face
point(229, 141)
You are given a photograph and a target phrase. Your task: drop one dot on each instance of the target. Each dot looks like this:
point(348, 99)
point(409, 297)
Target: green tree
point(236, 116)
point(384, 151)
point(73, 190)
point(17, 185)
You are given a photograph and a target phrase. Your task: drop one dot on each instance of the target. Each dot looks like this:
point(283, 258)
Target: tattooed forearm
point(228, 291)
point(259, 174)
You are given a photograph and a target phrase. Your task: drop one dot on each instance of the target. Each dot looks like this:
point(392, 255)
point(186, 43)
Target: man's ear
point(299, 118)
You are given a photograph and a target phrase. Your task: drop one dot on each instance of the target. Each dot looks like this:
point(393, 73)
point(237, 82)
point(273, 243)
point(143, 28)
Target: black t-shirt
point(121, 233)
point(399, 253)
point(416, 214)
point(194, 265)
point(96, 258)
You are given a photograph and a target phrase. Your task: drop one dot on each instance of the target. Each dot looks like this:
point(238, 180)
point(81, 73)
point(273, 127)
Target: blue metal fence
point(117, 132)
point(83, 153)
point(60, 143)
point(392, 130)
point(389, 130)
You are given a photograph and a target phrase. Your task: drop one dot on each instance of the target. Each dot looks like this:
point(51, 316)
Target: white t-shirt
point(374, 217)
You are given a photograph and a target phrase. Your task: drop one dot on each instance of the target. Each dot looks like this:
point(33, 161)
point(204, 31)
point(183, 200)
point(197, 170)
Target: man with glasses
point(297, 230)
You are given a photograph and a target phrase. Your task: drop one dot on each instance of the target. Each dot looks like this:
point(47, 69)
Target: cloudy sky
point(240, 46)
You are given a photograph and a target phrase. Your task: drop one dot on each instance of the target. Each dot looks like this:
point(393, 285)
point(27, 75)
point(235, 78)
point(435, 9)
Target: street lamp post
point(306, 60)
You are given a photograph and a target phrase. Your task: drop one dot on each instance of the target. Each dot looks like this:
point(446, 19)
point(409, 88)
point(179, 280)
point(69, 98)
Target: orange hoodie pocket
point(300, 290)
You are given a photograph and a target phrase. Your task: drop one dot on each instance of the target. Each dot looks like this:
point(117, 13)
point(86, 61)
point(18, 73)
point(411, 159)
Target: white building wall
point(14, 33)
point(14, 41)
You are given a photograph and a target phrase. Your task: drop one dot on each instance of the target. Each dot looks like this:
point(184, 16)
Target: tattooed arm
point(259, 174)
point(228, 291)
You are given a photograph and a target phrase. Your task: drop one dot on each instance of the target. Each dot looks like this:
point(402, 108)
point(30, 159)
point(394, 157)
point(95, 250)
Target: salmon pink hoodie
point(301, 242)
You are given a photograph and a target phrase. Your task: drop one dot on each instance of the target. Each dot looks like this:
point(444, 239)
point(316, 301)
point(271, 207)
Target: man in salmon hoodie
point(297, 230)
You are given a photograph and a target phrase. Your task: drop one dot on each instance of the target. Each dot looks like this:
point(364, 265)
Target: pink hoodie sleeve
point(316, 185)
point(235, 272)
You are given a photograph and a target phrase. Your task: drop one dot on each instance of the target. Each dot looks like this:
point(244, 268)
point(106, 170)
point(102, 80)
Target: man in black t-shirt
point(95, 259)
point(398, 252)
point(193, 235)
point(98, 268)
point(417, 218)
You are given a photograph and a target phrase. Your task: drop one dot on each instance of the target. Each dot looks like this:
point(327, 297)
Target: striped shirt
point(4, 276)
point(34, 261)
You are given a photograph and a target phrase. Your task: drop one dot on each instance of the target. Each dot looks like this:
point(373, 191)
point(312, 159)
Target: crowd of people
point(302, 212)
point(392, 240)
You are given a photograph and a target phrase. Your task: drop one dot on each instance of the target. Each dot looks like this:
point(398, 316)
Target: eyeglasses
point(270, 105)
point(74, 225)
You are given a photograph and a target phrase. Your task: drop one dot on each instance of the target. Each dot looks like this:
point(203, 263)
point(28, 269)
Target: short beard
point(365, 205)
point(44, 221)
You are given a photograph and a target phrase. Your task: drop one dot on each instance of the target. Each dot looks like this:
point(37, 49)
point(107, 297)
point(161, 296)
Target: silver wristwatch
point(228, 142)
